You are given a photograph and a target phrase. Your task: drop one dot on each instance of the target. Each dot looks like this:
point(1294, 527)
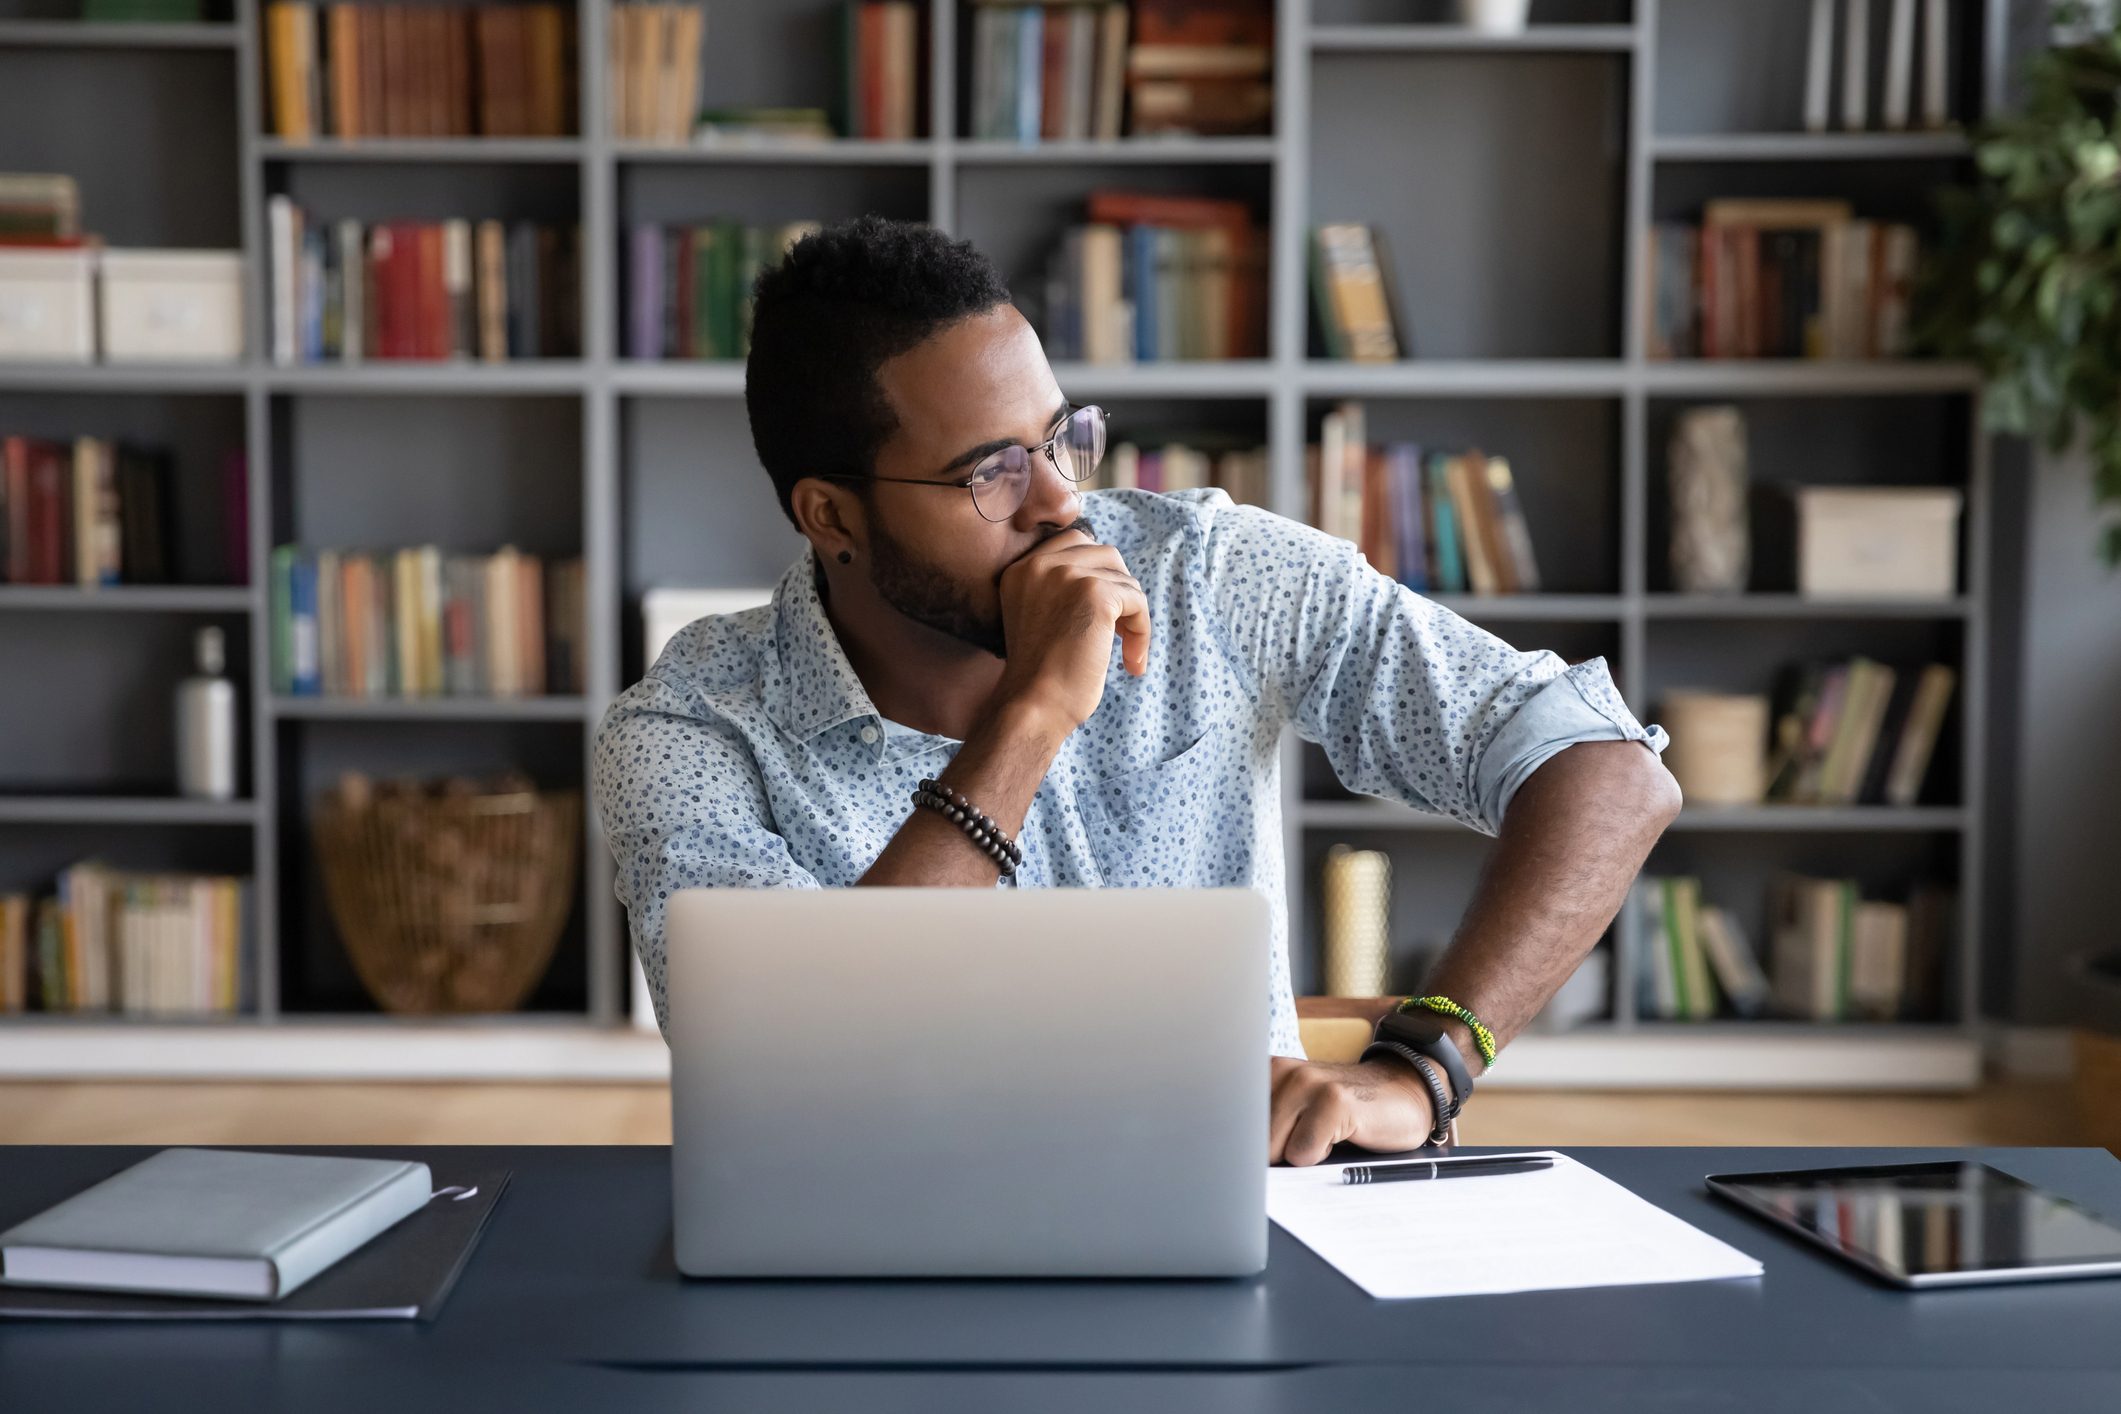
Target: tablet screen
point(1932, 1223)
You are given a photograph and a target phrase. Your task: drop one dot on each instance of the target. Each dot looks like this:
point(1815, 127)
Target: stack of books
point(1780, 279)
point(144, 944)
point(343, 291)
point(364, 70)
point(93, 512)
point(1152, 278)
point(1856, 732)
point(1837, 956)
point(1834, 955)
point(689, 287)
point(420, 623)
point(39, 209)
point(1048, 72)
point(1184, 465)
point(653, 69)
point(1445, 522)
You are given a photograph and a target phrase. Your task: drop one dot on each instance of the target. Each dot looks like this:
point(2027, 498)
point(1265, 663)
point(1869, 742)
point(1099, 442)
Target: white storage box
point(172, 306)
point(46, 312)
point(1878, 542)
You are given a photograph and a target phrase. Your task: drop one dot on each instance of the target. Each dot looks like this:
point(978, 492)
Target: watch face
point(1410, 1027)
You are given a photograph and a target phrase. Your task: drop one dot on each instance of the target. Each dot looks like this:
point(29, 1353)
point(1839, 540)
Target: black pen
point(1470, 1167)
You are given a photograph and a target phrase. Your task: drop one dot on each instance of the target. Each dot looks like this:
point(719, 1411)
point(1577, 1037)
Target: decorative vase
point(1706, 472)
point(1357, 893)
point(1495, 16)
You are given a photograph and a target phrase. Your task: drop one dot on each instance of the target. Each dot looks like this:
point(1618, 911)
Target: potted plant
point(2026, 278)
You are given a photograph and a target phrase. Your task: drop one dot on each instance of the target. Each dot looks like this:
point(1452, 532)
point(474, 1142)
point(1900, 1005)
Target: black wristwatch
point(1422, 1031)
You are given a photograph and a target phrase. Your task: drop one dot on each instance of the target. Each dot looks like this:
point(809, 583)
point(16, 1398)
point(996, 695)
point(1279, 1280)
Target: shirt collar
point(814, 687)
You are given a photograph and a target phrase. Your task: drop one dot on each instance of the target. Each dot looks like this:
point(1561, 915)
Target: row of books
point(1901, 66)
point(1780, 279)
point(1179, 466)
point(345, 291)
point(95, 512)
point(652, 62)
point(1446, 522)
point(1150, 278)
point(1055, 72)
point(417, 622)
point(1354, 301)
point(143, 944)
point(1857, 732)
point(1834, 955)
point(689, 287)
point(1071, 71)
point(366, 70)
point(880, 69)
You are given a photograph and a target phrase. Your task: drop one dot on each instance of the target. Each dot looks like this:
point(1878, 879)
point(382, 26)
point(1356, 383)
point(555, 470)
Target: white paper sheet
point(1563, 1227)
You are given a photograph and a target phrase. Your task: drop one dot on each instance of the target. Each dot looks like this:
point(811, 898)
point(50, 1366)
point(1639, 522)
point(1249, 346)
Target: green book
point(283, 614)
point(750, 260)
point(1448, 558)
point(700, 241)
point(1321, 300)
point(728, 243)
point(1675, 949)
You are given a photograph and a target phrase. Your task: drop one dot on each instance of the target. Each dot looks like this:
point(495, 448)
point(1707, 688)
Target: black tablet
point(1928, 1225)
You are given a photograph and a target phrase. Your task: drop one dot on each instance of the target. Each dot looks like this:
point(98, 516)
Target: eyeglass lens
point(1003, 479)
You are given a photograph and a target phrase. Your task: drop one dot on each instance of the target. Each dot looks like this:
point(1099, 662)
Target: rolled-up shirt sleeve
point(683, 806)
point(1408, 700)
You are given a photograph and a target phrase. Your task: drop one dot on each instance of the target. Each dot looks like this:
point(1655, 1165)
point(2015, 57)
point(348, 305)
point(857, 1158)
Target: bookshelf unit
point(1516, 205)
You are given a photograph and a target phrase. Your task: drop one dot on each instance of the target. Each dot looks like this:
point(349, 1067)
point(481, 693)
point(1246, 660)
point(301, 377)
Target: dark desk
point(572, 1301)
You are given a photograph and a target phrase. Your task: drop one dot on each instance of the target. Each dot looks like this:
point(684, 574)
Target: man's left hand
point(1380, 1105)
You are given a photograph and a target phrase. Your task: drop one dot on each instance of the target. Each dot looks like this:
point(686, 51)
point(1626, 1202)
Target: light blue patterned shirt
point(751, 757)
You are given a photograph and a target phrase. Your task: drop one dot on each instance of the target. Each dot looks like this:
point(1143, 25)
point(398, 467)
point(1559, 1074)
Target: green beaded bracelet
point(1444, 1006)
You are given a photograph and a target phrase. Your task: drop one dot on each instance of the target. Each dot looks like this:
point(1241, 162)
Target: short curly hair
point(842, 301)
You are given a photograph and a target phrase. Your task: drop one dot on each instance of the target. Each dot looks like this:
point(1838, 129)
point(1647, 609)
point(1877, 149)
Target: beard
point(930, 597)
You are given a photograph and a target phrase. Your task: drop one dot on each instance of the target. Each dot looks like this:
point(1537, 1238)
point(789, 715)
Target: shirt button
point(868, 736)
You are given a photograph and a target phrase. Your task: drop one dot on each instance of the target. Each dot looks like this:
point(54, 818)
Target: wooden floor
point(290, 1113)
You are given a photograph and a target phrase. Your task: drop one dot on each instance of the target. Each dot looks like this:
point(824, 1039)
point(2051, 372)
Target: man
point(1104, 676)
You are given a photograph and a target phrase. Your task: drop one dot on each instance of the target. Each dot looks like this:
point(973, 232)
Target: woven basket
point(449, 902)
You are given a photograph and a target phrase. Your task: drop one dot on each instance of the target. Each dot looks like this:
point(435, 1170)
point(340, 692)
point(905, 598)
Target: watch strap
point(1442, 1108)
point(1423, 1031)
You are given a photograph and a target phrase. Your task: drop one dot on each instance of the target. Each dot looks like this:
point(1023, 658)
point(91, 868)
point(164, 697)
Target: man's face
point(963, 393)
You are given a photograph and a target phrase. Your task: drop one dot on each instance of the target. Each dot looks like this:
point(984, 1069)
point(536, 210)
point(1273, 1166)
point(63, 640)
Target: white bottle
point(206, 724)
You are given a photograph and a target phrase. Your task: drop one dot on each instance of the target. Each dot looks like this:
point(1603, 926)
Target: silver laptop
point(969, 1082)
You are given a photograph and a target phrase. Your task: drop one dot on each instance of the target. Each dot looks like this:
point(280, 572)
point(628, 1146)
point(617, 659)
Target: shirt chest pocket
point(1149, 826)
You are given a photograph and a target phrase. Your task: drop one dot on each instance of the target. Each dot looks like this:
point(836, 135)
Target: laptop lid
point(968, 1082)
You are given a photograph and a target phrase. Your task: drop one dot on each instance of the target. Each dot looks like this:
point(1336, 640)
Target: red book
point(49, 482)
point(14, 466)
point(1053, 74)
point(382, 288)
point(869, 45)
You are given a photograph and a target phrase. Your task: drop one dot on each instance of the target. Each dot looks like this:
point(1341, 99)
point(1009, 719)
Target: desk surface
point(572, 1301)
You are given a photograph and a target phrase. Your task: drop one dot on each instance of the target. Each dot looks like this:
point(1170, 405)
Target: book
point(1856, 65)
point(1352, 301)
point(204, 1222)
point(1917, 743)
point(1877, 965)
point(1899, 65)
point(1819, 66)
point(1736, 968)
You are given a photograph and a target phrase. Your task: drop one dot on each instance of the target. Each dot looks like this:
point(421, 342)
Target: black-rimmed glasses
point(1001, 480)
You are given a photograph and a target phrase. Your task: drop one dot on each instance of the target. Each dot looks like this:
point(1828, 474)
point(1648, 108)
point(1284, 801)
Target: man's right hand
point(1061, 605)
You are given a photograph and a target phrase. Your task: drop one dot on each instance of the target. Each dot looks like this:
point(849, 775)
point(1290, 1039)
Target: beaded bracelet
point(1483, 1038)
point(982, 831)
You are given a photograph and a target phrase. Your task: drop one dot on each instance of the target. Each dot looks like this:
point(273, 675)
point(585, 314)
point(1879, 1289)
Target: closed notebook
point(205, 1222)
